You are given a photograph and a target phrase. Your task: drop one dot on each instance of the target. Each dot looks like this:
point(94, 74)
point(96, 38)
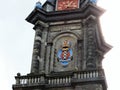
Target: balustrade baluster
point(85, 75)
point(52, 81)
point(25, 81)
point(63, 80)
point(96, 73)
point(20, 81)
point(88, 74)
point(49, 81)
point(39, 79)
point(69, 80)
point(82, 76)
point(28, 80)
point(78, 76)
point(66, 79)
point(75, 75)
point(17, 81)
point(57, 80)
point(60, 80)
point(33, 80)
point(93, 74)
point(36, 79)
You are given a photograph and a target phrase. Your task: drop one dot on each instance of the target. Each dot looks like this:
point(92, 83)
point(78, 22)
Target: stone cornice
point(40, 14)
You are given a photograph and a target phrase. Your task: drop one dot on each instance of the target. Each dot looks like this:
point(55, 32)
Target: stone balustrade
point(87, 74)
point(29, 79)
point(57, 80)
point(60, 80)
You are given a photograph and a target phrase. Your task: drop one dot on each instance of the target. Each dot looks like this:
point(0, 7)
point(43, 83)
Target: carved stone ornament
point(91, 44)
point(65, 54)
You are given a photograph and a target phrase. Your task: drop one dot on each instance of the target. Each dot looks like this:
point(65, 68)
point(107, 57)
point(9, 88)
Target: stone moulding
point(40, 14)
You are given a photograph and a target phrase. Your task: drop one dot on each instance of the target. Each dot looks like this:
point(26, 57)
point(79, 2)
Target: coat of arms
point(65, 54)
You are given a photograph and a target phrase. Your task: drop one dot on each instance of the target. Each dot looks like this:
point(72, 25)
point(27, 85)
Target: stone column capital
point(40, 25)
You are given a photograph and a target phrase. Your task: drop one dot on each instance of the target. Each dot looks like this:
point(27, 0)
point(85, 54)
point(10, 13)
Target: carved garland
point(91, 45)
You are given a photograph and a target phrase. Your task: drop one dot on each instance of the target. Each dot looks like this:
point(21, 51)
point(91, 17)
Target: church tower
point(68, 47)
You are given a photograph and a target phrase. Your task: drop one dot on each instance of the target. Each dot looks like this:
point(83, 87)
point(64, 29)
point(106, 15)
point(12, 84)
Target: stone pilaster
point(91, 43)
point(39, 50)
point(48, 57)
point(43, 49)
point(80, 52)
point(36, 50)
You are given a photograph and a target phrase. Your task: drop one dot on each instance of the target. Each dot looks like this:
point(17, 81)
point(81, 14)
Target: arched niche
point(57, 60)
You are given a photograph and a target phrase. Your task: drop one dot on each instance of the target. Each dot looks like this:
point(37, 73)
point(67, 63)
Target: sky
point(17, 37)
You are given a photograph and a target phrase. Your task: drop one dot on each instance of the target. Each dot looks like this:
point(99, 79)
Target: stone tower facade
point(68, 47)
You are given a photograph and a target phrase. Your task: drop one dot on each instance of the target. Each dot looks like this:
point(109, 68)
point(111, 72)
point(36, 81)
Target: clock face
point(67, 4)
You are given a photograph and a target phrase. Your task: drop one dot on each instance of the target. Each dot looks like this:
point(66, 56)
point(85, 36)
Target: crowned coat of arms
point(65, 54)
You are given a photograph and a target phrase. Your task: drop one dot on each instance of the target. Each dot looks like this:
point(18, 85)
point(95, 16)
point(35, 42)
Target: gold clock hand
point(69, 4)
